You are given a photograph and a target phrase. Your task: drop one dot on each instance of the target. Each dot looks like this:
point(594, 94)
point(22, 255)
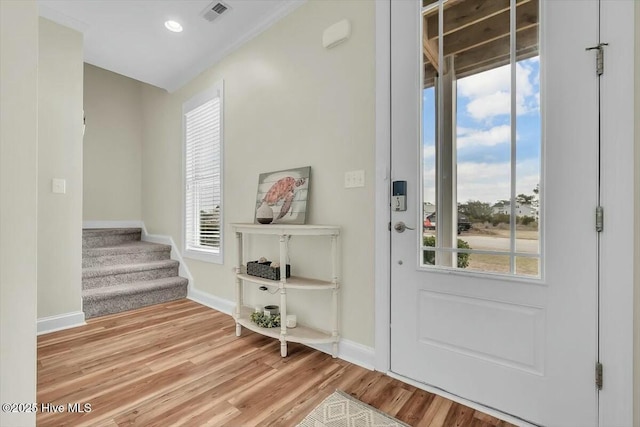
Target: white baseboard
point(222, 305)
point(113, 224)
point(49, 324)
point(350, 351)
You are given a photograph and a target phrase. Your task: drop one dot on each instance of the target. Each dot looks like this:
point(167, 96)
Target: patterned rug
point(342, 410)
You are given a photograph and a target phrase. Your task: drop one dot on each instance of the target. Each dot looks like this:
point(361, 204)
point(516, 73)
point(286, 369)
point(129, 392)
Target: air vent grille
point(219, 8)
point(214, 10)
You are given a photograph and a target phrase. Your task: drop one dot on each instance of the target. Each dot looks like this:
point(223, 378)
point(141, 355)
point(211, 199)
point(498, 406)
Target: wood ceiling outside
point(476, 34)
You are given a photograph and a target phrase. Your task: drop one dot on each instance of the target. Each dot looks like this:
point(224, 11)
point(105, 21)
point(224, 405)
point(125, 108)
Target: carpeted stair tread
point(127, 268)
point(99, 294)
point(129, 296)
point(101, 237)
point(91, 232)
point(120, 272)
point(126, 248)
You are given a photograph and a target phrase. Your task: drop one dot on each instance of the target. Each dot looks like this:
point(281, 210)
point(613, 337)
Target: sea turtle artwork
point(285, 194)
point(283, 189)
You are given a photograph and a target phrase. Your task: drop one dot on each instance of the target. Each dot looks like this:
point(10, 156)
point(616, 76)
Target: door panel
point(516, 328)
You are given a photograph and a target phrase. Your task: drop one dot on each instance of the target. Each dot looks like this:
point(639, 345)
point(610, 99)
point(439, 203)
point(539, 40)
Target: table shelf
point(301, 333)
point(293, 282)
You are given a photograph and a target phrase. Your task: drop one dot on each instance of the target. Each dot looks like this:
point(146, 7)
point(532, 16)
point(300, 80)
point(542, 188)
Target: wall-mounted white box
point(59, 185)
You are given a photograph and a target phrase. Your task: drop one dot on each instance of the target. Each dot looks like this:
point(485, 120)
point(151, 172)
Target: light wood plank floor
point(180, 363)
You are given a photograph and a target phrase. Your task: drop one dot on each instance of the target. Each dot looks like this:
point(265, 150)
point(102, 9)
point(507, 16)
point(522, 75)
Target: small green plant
point(265, 321)
point(500, 218)
point(526, 220)
point(429, 257)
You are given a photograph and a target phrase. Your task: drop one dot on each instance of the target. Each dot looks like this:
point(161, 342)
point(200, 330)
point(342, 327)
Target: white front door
point(494, 127)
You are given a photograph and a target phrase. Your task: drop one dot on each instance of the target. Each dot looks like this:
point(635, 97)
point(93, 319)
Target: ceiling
point(128, 36)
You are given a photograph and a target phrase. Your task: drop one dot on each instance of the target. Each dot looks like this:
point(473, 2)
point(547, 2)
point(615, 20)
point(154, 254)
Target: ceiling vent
point(214, 10)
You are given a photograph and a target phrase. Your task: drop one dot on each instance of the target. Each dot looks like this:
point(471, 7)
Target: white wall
point(288, 103)
point(59, 156)
point(636, 358)
point(112, 146)
point(18, 205)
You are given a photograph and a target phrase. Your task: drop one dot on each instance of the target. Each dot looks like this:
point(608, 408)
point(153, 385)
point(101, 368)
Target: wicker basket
point(264, 270)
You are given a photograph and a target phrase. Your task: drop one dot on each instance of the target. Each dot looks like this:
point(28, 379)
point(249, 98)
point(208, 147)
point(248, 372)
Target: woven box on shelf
point(264, 270)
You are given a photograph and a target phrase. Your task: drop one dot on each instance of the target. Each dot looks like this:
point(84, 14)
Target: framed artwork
point(282, 196)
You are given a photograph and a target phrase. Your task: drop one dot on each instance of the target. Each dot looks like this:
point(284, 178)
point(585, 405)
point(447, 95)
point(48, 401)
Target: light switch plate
point(59, 186)
point(354, 179)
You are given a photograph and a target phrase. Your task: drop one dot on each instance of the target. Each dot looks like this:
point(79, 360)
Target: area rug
point(342, 410)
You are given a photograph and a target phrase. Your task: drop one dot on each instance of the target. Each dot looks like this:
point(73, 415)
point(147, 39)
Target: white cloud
point(484, 137)
point(489, 106)
point(486, 83)
point(428, 152)
point(489, 93)
point(488, 182)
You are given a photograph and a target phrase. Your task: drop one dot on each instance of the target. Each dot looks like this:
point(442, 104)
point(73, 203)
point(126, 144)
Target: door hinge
point(599, 57)
point(599, 375)
point(599, 219)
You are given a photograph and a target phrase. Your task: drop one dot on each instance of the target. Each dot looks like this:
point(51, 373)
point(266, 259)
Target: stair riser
point(138, 276)
point(98, 241)
point(129, 258)
point(118, 304)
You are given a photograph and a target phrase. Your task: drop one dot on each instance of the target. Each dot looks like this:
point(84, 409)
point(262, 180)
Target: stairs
point(120, 272)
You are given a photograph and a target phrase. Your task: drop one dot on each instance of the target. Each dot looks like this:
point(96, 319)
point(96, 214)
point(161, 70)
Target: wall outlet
point(354, 179)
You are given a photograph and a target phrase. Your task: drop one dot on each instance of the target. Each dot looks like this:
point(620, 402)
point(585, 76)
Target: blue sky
point(484, 134)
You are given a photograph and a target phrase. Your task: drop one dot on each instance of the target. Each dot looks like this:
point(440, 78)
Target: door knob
point(401, 226)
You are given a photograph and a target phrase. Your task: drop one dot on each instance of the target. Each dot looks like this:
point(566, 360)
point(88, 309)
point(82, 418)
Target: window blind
point(203, 177)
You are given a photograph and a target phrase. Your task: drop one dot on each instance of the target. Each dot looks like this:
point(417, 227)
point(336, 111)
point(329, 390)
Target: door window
point(481, 136)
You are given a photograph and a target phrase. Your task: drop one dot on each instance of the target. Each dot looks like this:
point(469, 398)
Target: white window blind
point(203, 176)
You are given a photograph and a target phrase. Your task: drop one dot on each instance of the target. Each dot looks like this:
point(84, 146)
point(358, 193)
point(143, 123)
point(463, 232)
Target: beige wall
point(18, 205)
point(112, 146)
point(288, 103)
point(636, 351)
point(59, 156)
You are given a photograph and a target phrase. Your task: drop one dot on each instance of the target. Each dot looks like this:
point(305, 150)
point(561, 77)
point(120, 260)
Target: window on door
point(481, 136)
point(203, 142)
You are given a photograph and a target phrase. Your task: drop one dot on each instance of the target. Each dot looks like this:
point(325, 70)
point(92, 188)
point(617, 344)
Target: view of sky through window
point(484, 134)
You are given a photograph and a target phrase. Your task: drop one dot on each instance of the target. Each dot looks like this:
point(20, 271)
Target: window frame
point(215, 255)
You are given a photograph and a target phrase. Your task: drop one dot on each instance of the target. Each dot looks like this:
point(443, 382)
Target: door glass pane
point(528, 131)
point(526, 266)
point(487, 262)
point(480, 135)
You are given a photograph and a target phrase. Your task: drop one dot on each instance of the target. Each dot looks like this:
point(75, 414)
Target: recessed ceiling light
point(173, 26)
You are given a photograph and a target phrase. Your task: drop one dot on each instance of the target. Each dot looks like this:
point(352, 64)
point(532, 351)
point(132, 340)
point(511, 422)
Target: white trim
point(383, 164)
point(60, 322)
point(350, 351)
point(471, 404)
point(211, 301)
point(617, 195)
point(177, 82)
point(183, 270)
point(134, 223)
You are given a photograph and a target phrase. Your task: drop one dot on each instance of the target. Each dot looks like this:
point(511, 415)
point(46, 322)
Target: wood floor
point(180, 363)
